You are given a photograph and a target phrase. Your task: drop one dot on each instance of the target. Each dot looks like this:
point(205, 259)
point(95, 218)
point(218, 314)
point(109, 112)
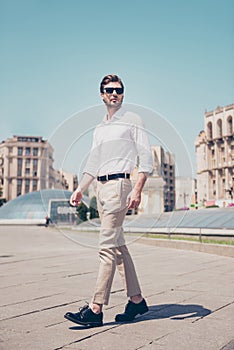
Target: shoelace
point(83, 308)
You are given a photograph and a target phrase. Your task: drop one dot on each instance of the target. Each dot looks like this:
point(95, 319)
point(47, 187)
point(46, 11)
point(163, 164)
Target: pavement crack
point(45, 279)
point(153, 341)
point(192, 271)
point(79, 274)
point(39, 310)
point(54, 324)
point(32, 259)
point(117, 291)
point(85, 338)
point(34, 299)
point(228, 346)
point(212, 312)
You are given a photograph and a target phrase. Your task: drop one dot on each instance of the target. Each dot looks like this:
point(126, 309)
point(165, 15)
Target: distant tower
point(215, 157)
point(26, 165)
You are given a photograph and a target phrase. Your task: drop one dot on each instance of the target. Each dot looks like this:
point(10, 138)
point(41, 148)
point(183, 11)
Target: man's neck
point(111, 111)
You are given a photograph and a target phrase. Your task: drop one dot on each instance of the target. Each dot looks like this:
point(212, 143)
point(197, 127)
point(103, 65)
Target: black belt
point(113, 176)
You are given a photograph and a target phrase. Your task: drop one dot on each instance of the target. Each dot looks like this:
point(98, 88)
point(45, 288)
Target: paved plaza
point(46, 272)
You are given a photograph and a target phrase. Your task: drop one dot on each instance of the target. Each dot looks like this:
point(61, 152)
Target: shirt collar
point(116, 116)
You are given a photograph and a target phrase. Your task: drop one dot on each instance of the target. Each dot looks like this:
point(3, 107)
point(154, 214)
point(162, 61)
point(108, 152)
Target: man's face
point(111, 97)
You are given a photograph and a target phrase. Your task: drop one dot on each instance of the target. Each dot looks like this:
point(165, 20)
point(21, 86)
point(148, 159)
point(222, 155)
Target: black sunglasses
point(110, 90)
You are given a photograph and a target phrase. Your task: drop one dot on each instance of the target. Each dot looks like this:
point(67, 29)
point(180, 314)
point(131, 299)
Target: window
point(209, 131)
point(19, 187)
point(27, 139)
point(35, 152)
point(229, 126)
point(27, 151)
point(219, 128)
point(27, 171)
point(34, 185)
point(27, 162)
point(27, 185)
point(20, 151)
point(19, 167)
point(35, 162)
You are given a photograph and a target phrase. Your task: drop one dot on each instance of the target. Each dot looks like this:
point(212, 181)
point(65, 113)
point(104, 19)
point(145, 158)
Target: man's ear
point(102, 96)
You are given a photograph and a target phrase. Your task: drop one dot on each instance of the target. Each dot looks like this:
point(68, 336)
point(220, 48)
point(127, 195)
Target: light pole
point(230, 191)
point(196, 203)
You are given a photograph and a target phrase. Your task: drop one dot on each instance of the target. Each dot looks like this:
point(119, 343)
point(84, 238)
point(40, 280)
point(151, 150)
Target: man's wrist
point(79, 189)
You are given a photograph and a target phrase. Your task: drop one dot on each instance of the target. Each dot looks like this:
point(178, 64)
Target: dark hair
point(110, 78)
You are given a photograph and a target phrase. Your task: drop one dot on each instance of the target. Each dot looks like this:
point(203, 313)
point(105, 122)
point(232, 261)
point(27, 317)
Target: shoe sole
point(90, 324)
point(139, 313)
point(144, 312)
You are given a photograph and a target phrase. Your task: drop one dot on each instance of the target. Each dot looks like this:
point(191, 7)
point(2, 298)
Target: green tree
point(2, 200)
point(82, 212)
point(93, 208)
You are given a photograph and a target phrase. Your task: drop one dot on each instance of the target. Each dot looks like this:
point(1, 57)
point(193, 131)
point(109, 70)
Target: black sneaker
point(85, 317)
point(131, 310)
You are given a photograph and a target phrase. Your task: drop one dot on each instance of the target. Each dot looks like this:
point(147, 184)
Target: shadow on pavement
point(172, 311)
point(176, 311)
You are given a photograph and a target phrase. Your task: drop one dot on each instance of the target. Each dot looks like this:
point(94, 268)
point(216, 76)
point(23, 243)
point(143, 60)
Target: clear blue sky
point(174, 56)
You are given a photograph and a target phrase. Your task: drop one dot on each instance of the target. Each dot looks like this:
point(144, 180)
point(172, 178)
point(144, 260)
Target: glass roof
point(202, 218)
point(33, 205)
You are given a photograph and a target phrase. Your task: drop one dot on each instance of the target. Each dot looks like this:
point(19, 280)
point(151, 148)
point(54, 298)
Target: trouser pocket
point(112, 195)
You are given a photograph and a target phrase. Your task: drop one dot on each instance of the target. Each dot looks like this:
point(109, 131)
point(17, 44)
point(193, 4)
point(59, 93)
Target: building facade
point(70, 180)
point(158, 194)
point(26, 165)
point(164, 164)
point(215, 157)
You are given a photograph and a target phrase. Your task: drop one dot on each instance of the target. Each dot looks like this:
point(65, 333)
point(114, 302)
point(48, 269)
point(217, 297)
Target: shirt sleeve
point(91, 165)
point(144, 154)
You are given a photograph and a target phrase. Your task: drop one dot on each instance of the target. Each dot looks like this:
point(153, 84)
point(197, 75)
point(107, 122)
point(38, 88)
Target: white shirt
point(119, 145)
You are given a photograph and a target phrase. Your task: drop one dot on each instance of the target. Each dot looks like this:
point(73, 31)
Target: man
point(119, 144)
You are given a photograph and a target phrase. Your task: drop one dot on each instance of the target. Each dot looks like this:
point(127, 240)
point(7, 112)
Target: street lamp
point(196, 203)
point(230, 191)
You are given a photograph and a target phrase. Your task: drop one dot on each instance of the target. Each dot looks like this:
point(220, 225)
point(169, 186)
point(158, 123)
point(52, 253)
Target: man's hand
point(134, 200)
point(75, 198)
point(135, 196)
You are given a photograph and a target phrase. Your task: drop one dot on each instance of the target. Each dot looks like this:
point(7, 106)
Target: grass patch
point(211, 240)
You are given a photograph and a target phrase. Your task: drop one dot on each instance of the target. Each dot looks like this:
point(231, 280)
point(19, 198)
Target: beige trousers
point(112, 206)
